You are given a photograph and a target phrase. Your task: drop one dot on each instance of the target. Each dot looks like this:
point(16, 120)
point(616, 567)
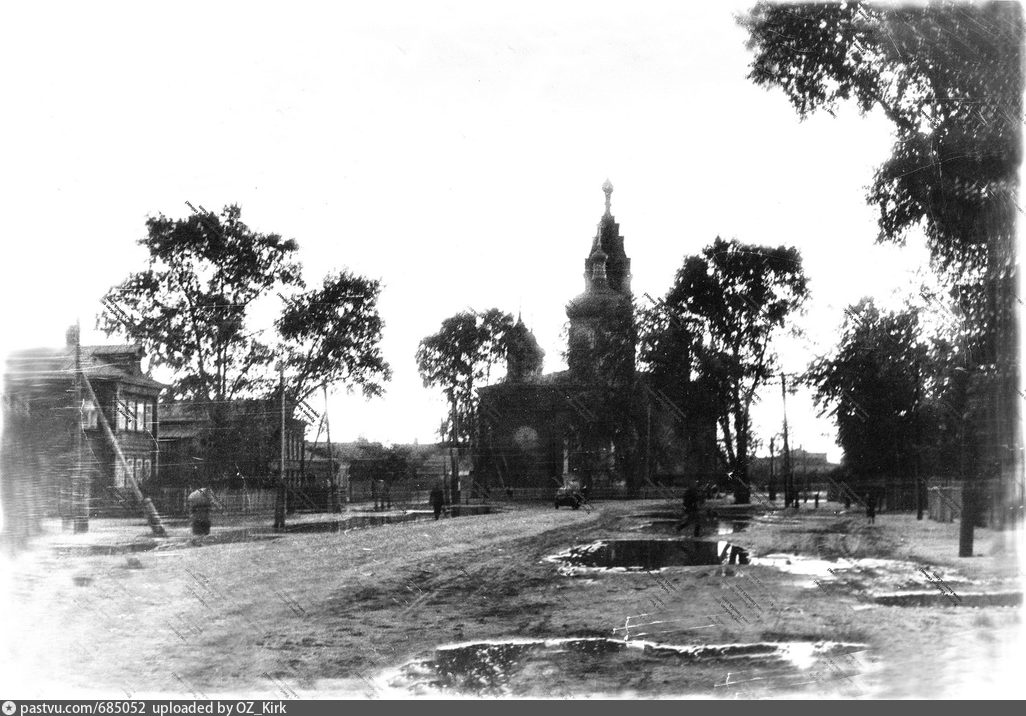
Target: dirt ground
point(361, 613)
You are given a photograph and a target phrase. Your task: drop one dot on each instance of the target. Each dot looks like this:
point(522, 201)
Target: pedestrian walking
point(871, 508)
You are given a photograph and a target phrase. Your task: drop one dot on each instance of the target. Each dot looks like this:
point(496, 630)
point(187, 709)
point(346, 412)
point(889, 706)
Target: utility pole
point(772, 476)
point(648, 446)
point(336, 503)
point(79, 488)
point(788, 477)
point(279, 499)
point(454, 490)
point(805, 472)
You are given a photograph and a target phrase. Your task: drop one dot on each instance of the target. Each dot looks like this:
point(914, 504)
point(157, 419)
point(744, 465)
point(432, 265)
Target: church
point(601, 422)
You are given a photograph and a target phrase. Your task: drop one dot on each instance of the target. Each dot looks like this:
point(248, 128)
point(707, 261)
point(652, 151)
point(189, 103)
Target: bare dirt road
point(364, 613)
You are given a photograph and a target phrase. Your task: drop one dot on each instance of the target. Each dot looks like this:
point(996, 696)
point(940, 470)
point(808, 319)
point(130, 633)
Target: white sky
point(453, 150)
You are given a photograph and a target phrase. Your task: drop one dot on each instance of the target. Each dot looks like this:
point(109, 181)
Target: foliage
point(736, 297)
point(458, 357)
point(189, 306)
point(949, 77)
point(376, 462)
point(333, 334)
point(190, 309)
point(878, 385)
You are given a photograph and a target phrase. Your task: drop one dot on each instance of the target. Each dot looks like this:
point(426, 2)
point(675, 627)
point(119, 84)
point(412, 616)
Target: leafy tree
point(877, 383)
point(670, 346)
point(737, 296)
point(950, 78)
point(948, 75)
point(332, 335)
point(456, 358)
point(380, 463)
point(191, 305)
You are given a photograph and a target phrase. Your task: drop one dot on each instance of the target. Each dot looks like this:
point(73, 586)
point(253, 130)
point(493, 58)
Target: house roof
point(114, 363)
point(178, 432)
point(197, 412)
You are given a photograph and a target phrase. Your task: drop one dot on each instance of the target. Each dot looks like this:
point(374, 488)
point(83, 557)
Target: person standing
point(871, 508)
point(692, 502)
point(437, 499)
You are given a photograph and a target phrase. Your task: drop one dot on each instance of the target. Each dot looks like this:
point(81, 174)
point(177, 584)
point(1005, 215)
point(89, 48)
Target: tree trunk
point(968, 523)
point(742, 488)
point(454, 476)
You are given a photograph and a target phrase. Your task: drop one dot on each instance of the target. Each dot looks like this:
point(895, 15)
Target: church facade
point(601, 422)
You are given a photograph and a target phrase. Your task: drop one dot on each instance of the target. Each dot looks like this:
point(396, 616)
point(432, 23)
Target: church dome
point(597, 301)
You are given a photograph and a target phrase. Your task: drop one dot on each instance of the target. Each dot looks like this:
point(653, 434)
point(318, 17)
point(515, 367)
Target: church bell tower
point(601, 318)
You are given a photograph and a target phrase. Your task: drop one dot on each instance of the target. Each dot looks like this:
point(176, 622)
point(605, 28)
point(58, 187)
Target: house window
point(124, 415)
point(148, 417)
point(140, 416)
point(144, 476)
point(119, 474)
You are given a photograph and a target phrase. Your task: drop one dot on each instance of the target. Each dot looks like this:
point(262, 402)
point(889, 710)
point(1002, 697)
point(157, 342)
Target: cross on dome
point(607, 187)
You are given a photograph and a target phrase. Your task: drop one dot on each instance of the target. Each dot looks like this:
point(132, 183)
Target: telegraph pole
point(279, 499)
point(79, 489)
point(648, 443)
point(772, 476)
point(454, 490)
point(788, 477)
point(336, 503)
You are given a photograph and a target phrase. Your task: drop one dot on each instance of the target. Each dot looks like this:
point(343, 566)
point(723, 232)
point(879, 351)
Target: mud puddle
point(635, 555)
point(565, 668)
point(887, 581)
point(353, 522)
point(937, 598)
point(715, 526)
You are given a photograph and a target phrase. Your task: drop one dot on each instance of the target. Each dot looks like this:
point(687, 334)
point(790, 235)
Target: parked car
point(569, 495)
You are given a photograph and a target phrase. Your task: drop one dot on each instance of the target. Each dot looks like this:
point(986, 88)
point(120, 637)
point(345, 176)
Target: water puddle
point(948, 598)
point(717, 526)
point(563, 668)
point(351, 522)
point(865, 574)
point(632, 555)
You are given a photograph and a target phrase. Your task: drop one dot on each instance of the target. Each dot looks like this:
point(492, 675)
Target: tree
point(670, 347)
point(460, 355)
point(377, 462)
point(737, 296)
point(950, 78)
point(332, 335)
point(191, 306)
point(878, 384)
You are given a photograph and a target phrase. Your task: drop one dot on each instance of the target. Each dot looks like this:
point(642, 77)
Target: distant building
point(229, 445)
point(601, 421)
point(41, 453)
point(802, 462)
